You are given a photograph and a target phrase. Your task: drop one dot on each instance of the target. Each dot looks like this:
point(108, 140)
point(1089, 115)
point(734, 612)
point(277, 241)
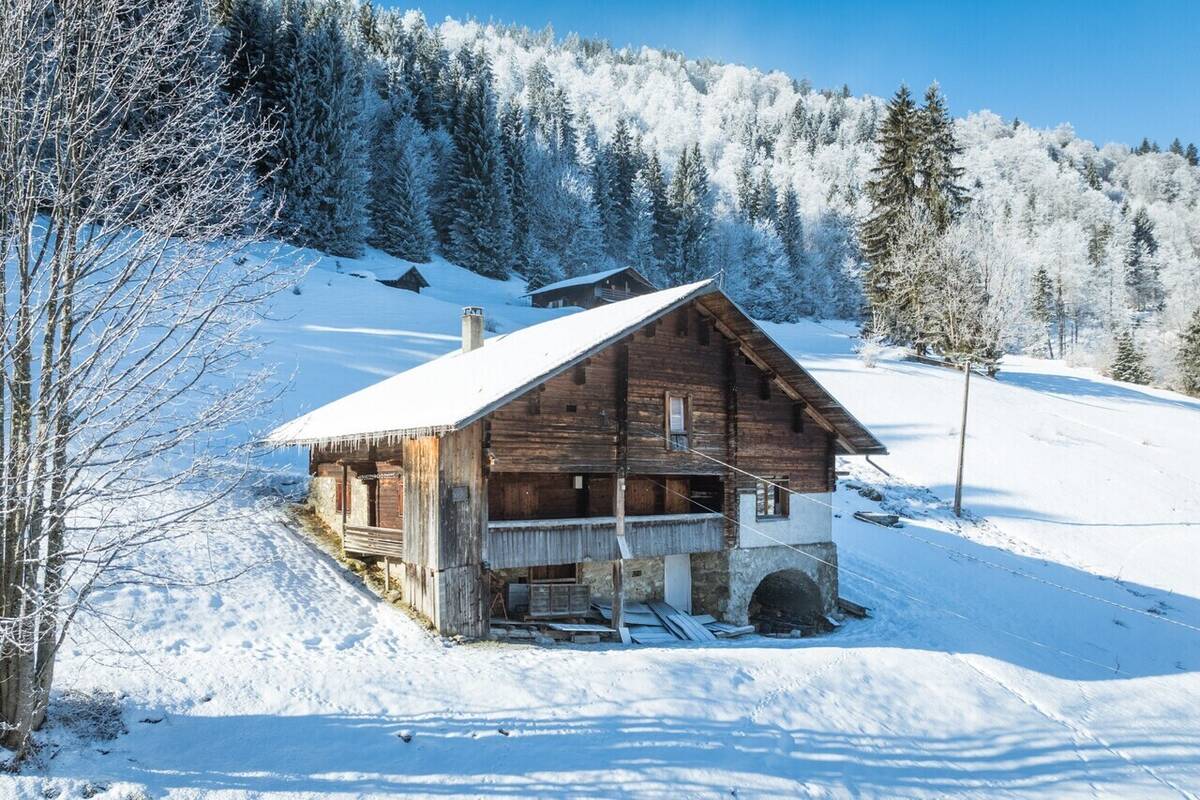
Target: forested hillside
point(514, 151)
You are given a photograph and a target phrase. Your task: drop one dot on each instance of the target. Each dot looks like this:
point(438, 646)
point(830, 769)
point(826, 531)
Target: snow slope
point(1004, 659)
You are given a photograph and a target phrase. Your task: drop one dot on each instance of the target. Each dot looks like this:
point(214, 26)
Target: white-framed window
point(771, 498)
point(677, 418)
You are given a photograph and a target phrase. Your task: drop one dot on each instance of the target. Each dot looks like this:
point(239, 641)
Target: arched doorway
point(786, 601)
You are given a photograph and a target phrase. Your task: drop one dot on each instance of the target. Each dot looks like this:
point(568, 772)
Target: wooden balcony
point(366, 540)
point(613, 295)
point(542, 542)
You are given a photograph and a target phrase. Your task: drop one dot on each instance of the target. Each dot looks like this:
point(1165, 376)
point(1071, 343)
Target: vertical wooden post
point(962, 440)
point(345, 502)
point(730, 494)
point(618, 613)
point(387, 576)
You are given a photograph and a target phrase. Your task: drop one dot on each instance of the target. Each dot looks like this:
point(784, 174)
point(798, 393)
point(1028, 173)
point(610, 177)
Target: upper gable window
point(677, 422)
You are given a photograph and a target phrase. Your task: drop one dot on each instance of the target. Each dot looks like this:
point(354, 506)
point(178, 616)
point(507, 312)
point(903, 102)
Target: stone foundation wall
point(723, 582)
point(642, 579)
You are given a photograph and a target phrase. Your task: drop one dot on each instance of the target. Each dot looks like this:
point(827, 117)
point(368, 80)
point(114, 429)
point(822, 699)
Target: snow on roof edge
point(283, 435)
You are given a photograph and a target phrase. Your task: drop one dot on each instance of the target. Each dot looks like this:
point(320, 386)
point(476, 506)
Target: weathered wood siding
point(421, 519)
point(463, 514)
point(566, 425)
point(570, 541)
point(539, 431)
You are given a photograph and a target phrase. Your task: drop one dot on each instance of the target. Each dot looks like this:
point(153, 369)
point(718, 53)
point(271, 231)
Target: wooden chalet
point(659, 447)
point(410, 280)
point(596, 289)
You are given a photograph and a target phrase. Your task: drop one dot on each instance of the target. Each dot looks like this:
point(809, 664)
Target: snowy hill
point(1004, 657)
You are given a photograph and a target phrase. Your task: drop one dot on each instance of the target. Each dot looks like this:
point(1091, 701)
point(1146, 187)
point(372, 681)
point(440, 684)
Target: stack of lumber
point(657, 622)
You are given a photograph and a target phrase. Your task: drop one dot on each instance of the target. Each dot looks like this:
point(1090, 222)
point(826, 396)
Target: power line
point(977, 559)
point(843, 569)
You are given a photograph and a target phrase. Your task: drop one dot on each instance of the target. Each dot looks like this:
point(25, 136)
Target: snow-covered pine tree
point(641, 245)
point(399, 186)
point(621, 159)
point(1141, 267)
point(339, 221)
point(791, 237)
point(585, 251)
point(937, 170)
point(1192, 155)
point(690, 202)
point(1041, 304)
point(249, 28)
point(1188, 357)
point(480, 227)
point(1129, 363)
point(514, 138)
point(1176, 147)
point(425, 68)
point(763, 286)
point(768, 207)
point(664, 223)
point(892, 191)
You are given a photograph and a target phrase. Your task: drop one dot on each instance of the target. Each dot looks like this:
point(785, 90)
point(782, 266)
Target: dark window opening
point(705, 334)
point(580, 375)
point(798, 417)
point(771, 498)
point(677, 422)
point(572, 408)
point(764, 387)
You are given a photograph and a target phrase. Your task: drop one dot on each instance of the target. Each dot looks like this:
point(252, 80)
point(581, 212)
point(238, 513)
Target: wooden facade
point(606, 287)
point(534, 483)
point(412, 280)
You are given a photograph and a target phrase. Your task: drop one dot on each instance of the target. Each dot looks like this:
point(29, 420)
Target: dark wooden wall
point(569, 423)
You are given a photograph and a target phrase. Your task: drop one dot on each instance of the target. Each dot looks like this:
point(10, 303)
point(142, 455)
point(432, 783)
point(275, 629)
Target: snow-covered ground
point(1048, 645)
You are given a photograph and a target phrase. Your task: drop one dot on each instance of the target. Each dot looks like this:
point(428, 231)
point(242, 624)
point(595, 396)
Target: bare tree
point(125, 322)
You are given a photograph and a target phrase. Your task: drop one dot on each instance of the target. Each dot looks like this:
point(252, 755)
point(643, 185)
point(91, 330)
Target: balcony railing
point(371, 541)
point(542, 542)
point(613, 295)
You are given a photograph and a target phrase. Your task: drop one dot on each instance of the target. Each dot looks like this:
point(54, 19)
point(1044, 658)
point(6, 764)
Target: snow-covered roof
point(593, 277)
point(458, 388)
point(453, 391)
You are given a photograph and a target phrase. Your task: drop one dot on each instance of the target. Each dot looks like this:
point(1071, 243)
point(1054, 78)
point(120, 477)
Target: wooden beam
point(789, 390)
point(618, 600)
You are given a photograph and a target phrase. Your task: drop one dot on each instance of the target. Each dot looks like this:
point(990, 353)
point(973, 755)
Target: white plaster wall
point(808, 522)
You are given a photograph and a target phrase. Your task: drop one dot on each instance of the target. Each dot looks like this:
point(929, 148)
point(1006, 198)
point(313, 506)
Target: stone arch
point(787, 594)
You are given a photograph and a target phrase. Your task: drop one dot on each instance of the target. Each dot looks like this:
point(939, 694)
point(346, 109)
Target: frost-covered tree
point(1041, 304)
point(690, 203)
point(320, 177)
point(1192, 155)
point(480, 225)
point(937, 168)
point(621, 163)
point(641, 244)
point(127, 320)
point(399, 186)
point(1188, 358)
point(791, 235)
point(1141, 265)
point(514, 136)
point(1129, 363)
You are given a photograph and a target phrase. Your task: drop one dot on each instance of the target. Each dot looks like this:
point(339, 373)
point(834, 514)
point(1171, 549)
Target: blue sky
point(1116, 71)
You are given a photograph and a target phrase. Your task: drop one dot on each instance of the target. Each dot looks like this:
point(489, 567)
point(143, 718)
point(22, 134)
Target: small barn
point(596, 289)
point(411, 280)
point(658, 448)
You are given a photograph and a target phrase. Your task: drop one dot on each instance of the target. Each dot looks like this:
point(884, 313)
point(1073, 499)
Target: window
point(341, 497)
point(677, 422)
point(772, 498)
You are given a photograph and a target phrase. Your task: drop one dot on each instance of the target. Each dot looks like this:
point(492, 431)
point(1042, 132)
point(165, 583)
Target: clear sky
point(1116, 71)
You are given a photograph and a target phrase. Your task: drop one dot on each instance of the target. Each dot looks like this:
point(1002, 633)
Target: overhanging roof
point(457, 389)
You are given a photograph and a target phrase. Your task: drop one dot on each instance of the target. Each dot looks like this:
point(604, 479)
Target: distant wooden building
point(596, 289)
point(411, 280)
point(660, 447)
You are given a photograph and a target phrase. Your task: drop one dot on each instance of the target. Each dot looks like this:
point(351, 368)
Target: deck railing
point(532, 543)
point(368, 540)
point(613, 295)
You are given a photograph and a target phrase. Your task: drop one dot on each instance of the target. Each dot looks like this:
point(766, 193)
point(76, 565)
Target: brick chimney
point(472, 328)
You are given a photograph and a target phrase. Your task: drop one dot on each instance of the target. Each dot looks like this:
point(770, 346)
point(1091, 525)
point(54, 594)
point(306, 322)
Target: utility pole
point(962, 438)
